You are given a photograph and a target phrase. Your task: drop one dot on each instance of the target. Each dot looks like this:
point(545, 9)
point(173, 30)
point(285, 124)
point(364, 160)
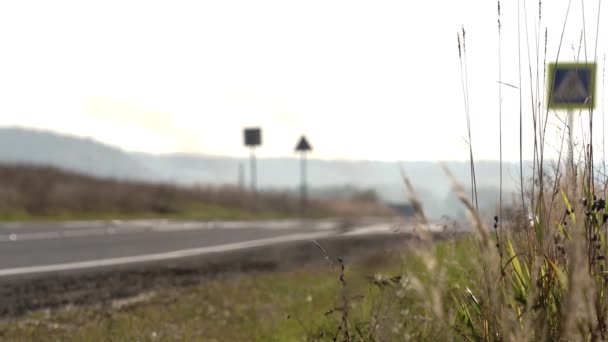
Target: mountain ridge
point(39, 147)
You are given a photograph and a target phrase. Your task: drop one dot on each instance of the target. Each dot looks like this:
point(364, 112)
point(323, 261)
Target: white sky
point(363, 79)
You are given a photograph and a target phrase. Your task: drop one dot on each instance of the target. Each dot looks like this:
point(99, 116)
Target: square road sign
point(253, 136)
point(571, 85)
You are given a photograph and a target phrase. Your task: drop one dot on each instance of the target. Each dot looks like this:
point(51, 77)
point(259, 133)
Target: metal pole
point(303, 194)
point(253, 171)
point(241, 176)
point(570, 167)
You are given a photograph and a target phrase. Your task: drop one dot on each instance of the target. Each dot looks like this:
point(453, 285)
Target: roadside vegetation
point(538, 273)
point(297, 305)
point(44, 193)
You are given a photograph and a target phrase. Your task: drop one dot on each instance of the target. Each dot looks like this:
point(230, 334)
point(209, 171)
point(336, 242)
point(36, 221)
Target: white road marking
point(181, 228)
point(12, 225)
point(36, 236)
point(379, 228)
point(161, 256)
point(98, 228)
point(81, 224)
point(83, 232)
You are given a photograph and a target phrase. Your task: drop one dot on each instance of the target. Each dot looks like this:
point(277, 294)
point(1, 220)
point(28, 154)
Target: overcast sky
point(362, 79)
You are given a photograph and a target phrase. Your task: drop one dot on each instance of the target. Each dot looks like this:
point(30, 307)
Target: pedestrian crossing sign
point(571, 85)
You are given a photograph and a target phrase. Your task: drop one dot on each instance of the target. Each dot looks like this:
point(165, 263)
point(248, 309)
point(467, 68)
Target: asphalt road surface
point(27, 248)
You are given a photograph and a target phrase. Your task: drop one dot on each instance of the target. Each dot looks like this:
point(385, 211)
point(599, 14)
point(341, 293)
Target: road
point(27, 248)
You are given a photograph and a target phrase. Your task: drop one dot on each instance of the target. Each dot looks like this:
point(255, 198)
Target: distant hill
point(78, 154)
point(19, 145)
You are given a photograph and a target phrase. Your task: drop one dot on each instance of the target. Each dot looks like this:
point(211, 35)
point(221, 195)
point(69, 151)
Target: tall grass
point(547, 278)
point(462, 56)
point(554, 280)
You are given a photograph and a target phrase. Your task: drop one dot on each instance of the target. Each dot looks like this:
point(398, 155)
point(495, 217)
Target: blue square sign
point(571, 85)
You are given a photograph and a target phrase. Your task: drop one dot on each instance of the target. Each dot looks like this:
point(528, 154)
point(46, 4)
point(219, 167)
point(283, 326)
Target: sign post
point(303, 147)
point(253, 138)
point(571, 86)
point(241, 176)
point(570, 166)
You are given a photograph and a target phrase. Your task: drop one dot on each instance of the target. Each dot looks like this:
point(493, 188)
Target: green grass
point(194, 211)
point(282, 306)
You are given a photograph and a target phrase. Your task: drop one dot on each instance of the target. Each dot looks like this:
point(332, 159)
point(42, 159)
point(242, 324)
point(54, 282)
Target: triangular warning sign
point(571, 88)
point(571, 85)
point(303, 145)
